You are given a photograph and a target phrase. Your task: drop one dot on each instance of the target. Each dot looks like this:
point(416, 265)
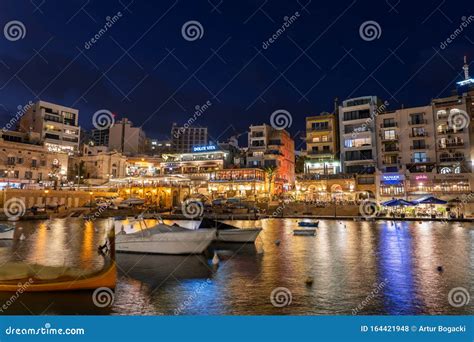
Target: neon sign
point(204, 148)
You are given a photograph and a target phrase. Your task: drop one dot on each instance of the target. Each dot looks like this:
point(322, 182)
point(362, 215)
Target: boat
point(6, 232)
point(305, 232)
point(308, 223)
point(162, 239)
point(229, 233)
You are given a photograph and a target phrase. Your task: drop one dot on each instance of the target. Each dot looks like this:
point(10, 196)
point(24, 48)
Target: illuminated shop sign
point(421, 177)
point(392, 179)
point(204, 148)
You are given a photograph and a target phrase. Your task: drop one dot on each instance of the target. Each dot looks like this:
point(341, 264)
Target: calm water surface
point(380, 267)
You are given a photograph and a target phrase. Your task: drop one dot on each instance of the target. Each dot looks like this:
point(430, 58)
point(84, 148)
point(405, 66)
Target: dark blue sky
point(144, 69)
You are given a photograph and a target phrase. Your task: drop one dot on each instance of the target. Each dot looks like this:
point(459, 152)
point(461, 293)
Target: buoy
point(440, 268)
point(309, 281)
point(277, 242)
point(215, 259)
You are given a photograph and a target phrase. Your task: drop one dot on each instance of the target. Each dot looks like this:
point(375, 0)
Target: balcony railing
point(417, 122)
point(451, 145)
point(418, 135)
point(449, 131)
point(389, 125)
point(451, 159)
point(316, 153)
point(384, 138)
point(420, 160)
point(421, 147)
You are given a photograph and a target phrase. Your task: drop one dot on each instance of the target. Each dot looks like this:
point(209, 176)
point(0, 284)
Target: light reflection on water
point(391, 268)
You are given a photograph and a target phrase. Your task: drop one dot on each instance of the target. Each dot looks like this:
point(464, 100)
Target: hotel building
point(270, 147)
point(57, 125)
point(184, 139)
point(322, 145)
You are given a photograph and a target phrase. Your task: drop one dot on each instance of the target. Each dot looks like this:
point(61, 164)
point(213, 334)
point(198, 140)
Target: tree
point(270, 171)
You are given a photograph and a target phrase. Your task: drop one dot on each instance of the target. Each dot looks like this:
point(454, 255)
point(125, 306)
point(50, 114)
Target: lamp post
point(45, 196)
point(90, 199)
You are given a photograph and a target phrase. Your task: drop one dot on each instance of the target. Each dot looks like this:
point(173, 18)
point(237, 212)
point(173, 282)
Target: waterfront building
point(247, 183)
point(26, 163)
point(358, 140)
point(97, 165)
point(272, 148)
point(322, 145)
point(185, 138)
point(57, 125)
point(126, 139)
point(159, 147)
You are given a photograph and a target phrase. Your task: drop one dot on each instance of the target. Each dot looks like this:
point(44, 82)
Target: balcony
point(451, 145)
point(318, 129)
point(391, 149)
point(384, 138)
point(319, 153)
point(414, 122)
point(389, 125)
point(418, 135)
point(451, 159)
point(421, 147)
point(420, 160)
point(390, 162)
point(449, 131)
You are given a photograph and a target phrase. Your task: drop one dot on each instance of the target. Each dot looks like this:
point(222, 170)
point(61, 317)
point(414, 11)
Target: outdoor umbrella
point(397, 202)
point(429, 200)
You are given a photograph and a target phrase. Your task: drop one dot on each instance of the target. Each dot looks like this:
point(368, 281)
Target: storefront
point(244, 183)
point(392, 185)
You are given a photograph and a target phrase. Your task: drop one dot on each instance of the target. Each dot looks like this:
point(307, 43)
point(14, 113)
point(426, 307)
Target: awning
point(429, 200)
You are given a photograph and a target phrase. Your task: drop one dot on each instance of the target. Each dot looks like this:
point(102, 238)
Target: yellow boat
point(107, 278)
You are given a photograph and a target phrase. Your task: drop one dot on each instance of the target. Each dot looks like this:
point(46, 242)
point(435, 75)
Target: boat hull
point(308, 224)
point(238, 235)
point(172, 243)
point(106, 279)
point(8, 235)
point(304, 232)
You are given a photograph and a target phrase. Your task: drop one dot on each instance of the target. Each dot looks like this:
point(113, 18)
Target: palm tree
point(270, 171)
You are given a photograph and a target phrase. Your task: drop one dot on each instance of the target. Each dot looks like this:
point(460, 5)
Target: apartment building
point(127, 139)
point(322, 145)
point(270, 147)
point(57, 125)
point(358, 140)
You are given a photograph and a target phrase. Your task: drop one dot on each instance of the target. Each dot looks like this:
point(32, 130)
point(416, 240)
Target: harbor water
point(348, 267)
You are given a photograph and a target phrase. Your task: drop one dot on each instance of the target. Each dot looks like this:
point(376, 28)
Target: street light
point(45, 194)
point(90, 198)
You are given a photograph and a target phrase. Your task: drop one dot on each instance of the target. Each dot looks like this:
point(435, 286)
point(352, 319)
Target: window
point(420, 157)
point(366, 180)
point(389, 122)
point(40, 176)
point(324, 138)
point(19, 160)
point(11, 160)
point(416, 119)
point(320, 126)
point(34, 163)
point(357, 114)
point(16, 174)
point(389, 134)
point(28, 175)
point(419, 144)
point(359, 142)
point(418, 131)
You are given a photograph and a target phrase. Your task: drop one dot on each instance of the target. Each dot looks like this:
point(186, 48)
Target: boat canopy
point(210, 223)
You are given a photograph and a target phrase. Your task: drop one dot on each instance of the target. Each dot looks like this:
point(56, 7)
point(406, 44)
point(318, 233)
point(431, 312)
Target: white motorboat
point(305, 232)
point(228, 233)
point(162, 239)
point(6, 232)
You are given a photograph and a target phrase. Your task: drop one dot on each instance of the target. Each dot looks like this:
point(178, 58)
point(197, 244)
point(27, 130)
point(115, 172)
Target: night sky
point(144, 69)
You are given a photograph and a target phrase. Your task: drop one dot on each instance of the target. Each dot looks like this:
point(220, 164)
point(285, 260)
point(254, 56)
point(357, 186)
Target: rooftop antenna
point(466, 69)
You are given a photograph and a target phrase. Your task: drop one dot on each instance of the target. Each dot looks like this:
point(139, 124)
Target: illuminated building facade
point(57, 125)
point(248, 183)
point(322, 145)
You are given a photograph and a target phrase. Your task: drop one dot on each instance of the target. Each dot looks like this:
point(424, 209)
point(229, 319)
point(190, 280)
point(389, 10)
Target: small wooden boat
point(308, 223)
point(304, 232)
